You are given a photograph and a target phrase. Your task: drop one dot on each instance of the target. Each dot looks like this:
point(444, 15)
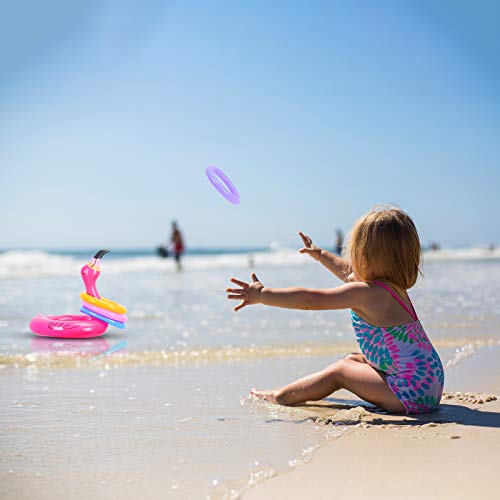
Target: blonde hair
point(384, 245)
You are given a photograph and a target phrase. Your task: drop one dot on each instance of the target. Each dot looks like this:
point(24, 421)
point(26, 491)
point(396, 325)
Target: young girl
point(399, 369)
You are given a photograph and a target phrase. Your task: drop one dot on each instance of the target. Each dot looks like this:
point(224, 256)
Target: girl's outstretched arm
point(350, 295)
point(338, 266)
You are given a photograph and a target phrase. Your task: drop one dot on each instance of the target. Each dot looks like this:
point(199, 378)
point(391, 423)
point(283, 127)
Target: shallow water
point(189, 310)
point(168, 412)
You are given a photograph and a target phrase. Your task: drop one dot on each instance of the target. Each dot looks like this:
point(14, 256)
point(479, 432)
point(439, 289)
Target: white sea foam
point(34, 263)
point(24, 264)
point(472, 253)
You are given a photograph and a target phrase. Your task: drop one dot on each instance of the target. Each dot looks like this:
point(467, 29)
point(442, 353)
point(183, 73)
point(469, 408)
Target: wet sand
point(127, 431)
point(451, 453)
point(393, 459)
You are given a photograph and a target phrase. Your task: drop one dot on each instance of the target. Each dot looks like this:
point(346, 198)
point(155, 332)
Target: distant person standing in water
point(339, 242)
point(434, 246)
point(177, 244)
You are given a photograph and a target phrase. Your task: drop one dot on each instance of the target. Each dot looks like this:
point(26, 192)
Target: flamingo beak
point(100, 254)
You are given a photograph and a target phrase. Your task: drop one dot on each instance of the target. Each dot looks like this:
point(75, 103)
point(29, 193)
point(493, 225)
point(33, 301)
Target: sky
point(111, 110)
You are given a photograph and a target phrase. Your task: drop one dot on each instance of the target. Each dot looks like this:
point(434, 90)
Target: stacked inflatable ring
point(96, 306)
point(99, 312)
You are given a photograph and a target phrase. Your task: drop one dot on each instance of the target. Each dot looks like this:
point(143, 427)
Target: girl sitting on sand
point(399, 369)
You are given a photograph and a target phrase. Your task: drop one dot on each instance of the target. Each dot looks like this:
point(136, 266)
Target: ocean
point(168, 414)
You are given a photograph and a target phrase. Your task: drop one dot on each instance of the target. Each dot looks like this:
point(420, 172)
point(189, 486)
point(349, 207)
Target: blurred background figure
point(251, 261)
point(162, 251)
point(339, 241)
point(177, 244)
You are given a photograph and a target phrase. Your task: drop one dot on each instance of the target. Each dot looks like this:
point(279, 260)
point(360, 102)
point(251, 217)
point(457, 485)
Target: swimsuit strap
point(411, 311)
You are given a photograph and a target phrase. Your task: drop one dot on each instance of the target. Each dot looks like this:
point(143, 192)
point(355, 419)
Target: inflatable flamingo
point(99, 312)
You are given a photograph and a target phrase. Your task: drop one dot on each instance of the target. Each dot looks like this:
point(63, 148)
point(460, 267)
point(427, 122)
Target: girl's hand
point(248, 293)
point(309, 248)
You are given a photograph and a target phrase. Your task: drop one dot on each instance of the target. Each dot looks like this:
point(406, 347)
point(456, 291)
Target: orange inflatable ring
point(104, 303)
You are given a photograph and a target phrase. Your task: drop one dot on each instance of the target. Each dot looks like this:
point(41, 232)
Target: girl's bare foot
point(267, 395)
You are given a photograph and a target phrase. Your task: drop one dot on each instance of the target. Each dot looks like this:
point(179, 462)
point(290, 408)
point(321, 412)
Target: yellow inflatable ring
point(103, 303)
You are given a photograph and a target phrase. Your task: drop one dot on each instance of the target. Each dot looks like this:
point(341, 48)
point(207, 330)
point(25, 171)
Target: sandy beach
point(451, 453)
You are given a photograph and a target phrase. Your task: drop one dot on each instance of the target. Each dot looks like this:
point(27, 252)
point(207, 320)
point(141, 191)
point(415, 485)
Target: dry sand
point(452, 453)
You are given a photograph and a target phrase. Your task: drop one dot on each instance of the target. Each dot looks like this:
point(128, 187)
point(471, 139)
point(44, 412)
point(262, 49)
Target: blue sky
point(110, 111)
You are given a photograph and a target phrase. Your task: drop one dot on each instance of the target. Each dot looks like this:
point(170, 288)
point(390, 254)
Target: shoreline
point(76, 353)
point(449, 453)
point(388, 456)
point(327, 442)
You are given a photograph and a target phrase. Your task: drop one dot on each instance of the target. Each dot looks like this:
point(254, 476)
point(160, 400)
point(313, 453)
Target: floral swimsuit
point(406, 356)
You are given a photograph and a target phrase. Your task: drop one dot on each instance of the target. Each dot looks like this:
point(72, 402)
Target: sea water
point(168, 415)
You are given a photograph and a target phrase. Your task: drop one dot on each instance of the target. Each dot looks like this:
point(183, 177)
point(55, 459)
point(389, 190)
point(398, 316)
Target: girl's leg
point(352, 373)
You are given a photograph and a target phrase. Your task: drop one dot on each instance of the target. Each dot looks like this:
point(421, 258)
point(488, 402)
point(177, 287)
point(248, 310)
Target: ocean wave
point(34, 263)
point(25, 264)
point(473, 253)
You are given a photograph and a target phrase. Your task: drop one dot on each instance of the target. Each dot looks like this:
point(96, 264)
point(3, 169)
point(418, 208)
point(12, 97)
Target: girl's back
point(401, 350)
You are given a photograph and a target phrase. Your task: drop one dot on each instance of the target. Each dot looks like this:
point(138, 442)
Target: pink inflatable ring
point(73, 326)
point(82, 326)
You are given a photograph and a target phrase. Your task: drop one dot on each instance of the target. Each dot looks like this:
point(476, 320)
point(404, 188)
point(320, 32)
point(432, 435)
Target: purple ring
point(221, 182)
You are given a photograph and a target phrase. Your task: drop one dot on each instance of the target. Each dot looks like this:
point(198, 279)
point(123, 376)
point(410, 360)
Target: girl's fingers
point(238, 282)
point(254, 278)
point(240, 306)
point(304, 237)
point(235, 290)
point(307, 241)
point(236, 297)
point(305, 250)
